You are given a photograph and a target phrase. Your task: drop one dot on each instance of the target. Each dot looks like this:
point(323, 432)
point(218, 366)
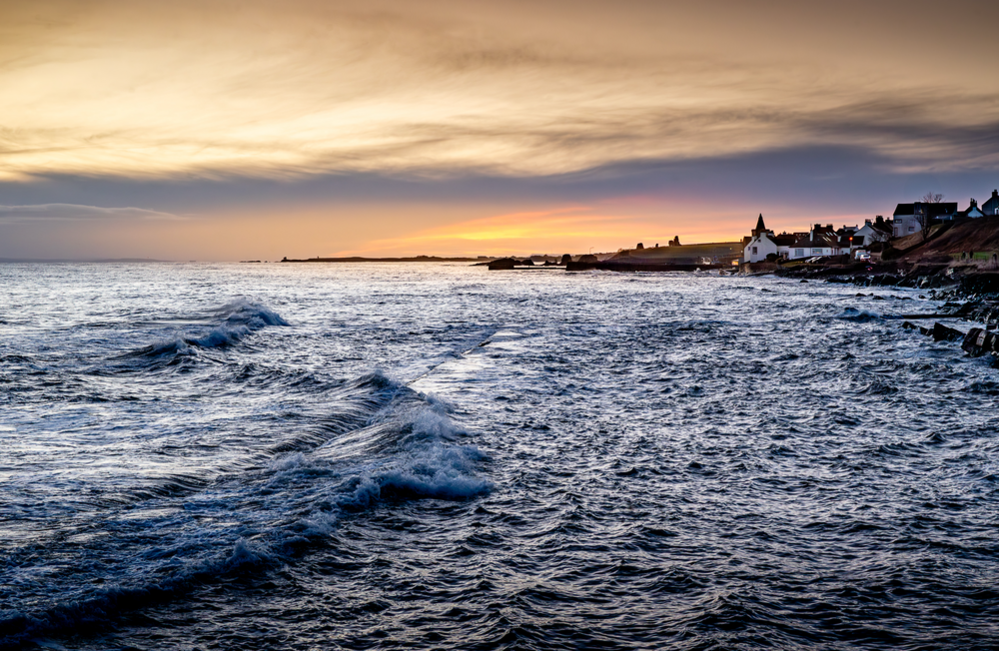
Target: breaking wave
point(225, 327)
point(859, 316)
point(394, 445)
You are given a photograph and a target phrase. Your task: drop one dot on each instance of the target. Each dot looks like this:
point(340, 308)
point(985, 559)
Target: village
point(910, 225)
point(929, 234)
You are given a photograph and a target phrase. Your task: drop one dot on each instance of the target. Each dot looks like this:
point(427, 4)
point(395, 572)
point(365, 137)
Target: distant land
point(673, 257)
point(418, 258)
point(80, 260)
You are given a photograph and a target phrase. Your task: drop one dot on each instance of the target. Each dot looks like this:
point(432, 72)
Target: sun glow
point(555, 231)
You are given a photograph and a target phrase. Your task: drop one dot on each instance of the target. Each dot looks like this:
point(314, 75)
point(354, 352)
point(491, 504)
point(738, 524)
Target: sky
point(231, 130)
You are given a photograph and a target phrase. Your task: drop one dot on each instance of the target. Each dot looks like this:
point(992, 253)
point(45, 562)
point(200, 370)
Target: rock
point(909, 325)
point(943, 333)
point(528, 262)
point(503, 263)
point(979, 342)
point(585, 262)
point(981, 283)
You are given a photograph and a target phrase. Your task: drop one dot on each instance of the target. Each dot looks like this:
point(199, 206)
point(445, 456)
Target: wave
point(225, 327)
point(253, 315)
point(393, 445)
point(17, 629)
point(859, 316)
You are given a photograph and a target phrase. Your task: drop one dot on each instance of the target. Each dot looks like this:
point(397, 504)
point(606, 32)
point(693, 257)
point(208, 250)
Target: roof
point(819, 242)
point(932, 209)
point(759, 224)
point(884, 228)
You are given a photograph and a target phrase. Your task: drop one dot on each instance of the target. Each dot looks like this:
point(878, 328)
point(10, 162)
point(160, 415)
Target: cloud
point(661, 118)
point(68, 212)
point(457, 89)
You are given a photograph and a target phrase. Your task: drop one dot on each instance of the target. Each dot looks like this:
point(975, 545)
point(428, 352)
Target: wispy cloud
point(68, 212)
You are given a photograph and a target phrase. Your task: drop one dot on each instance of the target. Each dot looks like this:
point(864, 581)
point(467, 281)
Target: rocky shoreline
point(970, 295)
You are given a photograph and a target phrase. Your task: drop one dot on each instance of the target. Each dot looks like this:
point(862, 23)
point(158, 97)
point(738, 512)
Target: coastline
point(417, 258)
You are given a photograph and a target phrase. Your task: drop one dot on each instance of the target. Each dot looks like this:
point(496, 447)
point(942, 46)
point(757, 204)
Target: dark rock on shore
point(978, 342)
point(941, 332)
point(981, 284)
point(585, 262)
point(503, 263)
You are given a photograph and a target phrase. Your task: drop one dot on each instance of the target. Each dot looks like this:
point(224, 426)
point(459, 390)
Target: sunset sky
point(227, 130)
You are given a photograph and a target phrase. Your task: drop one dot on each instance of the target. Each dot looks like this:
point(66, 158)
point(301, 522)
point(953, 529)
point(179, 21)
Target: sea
point(438, 456)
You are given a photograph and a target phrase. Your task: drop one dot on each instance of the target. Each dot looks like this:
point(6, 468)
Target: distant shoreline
point(418, 258)
point(84, 261)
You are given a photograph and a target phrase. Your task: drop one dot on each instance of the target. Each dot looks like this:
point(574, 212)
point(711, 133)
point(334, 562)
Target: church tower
point(760, 226)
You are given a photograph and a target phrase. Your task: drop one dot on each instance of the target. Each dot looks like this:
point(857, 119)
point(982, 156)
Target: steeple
point(760, 227)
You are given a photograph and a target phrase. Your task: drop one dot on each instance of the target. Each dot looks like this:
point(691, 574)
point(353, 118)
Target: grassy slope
point(974, 235)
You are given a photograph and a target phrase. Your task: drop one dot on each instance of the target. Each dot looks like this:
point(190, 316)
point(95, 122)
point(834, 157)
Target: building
point(879, 230)
point(991, 207)
point(821, 241)
point(761, 243)
point(971, 213)
point(784, 242)
point(908, 217)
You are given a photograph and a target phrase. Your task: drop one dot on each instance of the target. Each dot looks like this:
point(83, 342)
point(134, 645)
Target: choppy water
point(420, 456)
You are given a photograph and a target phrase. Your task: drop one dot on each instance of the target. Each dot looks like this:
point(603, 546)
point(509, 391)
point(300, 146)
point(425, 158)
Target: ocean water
point(442, 457)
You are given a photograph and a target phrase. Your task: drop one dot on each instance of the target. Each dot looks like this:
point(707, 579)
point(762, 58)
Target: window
point(754, 250)
point(816, 251)
point(799, 253)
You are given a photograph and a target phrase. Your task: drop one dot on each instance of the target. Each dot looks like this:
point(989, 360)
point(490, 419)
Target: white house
point(820, 241)
point(759, 247)
point(908, 216)
point(763, 242)
point(871, 232)
point(760, 244)
point(784, 243)
point(971, 213)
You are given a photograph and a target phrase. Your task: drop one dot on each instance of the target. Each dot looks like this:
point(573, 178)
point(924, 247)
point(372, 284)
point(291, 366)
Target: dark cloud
point(846, 177)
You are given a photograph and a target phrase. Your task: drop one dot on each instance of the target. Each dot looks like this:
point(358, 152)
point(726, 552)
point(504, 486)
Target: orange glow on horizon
point(571, 229)
point(578, 229)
